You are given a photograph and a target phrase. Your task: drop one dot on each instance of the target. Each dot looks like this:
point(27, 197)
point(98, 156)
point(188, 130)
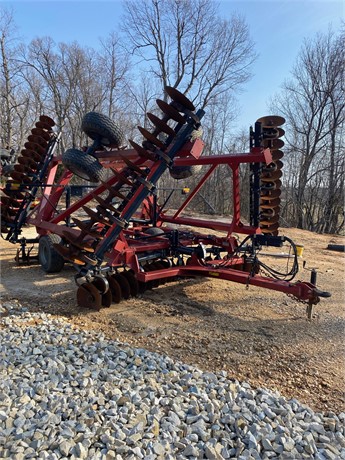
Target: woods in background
point(172, 43)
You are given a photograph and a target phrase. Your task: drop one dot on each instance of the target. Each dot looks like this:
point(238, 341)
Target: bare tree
point(114, 67)
point(187, 45)
point(312, 103)
point(13, 101)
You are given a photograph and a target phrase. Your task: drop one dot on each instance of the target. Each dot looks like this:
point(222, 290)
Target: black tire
point(154, 231)
point(102, 128)
point(50, 260)
point(83, 165)
point(4, 153)
point(336, 247)
point(183, 172)
point(7, 169)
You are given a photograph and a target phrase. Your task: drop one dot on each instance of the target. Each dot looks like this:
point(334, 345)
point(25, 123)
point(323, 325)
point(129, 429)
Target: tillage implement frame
point(120, 240)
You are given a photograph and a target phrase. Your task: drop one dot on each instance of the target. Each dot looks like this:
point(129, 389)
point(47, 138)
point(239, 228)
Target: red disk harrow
point(119, 239)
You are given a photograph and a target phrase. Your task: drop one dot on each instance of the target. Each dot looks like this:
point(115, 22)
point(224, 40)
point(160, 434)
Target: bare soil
point(257, 335)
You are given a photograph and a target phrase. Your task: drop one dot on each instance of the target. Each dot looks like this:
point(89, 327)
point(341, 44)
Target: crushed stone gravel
point(70, 393)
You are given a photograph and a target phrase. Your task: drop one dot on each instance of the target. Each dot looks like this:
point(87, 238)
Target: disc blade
point(270, 203)
point(42, 125)
point(273, 144)
point(35, 147)
point(124, 285)
point(270, 228)
point(151, 138)
point(271, 176)
point(133, 166)
point(180, 98)
point(49, 121)
point(269, 221)
point(76, 242)
point(142, 152)
point(161, 125)
point(88, 296)
point(31, 154)
point(270, 194)
point(170, 111)
point(20, 177)
point(38, 140)
point(27, 161)
point(68, 255)
point(132, 281)
point(277, 155)
point(41, 133)
point(115, 289)
point(271, 120)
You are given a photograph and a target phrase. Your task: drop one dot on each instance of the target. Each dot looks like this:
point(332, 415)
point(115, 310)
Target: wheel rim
point(44, 255)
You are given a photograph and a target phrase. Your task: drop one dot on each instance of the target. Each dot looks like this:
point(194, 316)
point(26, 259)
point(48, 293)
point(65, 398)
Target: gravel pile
point(67, 393)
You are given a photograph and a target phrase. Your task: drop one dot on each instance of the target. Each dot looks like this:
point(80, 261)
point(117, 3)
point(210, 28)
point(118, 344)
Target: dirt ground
point(257, 335)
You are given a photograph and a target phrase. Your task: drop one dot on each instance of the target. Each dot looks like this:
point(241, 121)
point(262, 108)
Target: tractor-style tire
point(183, 172)
point(51, 261)
point(336, 247)
point(154, 231)
point(102, 128)
point(83, 165)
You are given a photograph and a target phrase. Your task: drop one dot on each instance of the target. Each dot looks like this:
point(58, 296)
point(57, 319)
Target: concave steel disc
point(49, 121)
point(35, 147)
point(133, 166)
point(115, 289)
point(274, 166)
point(281, 132)
point(180, 98)
point(271, 176)
point(161, 125)
point(269, 221)
point(14, 193)
point(170, 111)
point(24, 169)
point(270, 203)
point(271, 120)
point(132, 281)
point(38, 140)
point(269, 211)
point(27, 161)
point(75, 242)
point(42, 125)
point(277, 155)
point(68, 255)
point(102, 284)
point(88, 296)
point(87, 228)
point(41, 133)
point(20, 177)
point(270, 167)
point(270, 194)
point(31, 154)
point(270, 132)
point(273, 144)
point(124, 285)
point(151, 138)
point(142, 152)
point(269, 227)
point(266, 231)
point(9, 201)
